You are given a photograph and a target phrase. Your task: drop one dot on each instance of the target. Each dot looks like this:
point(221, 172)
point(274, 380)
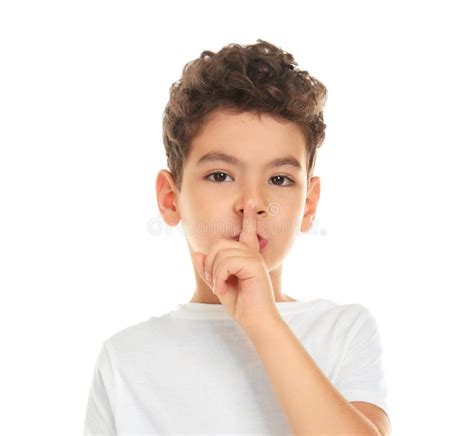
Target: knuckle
point(216, 248)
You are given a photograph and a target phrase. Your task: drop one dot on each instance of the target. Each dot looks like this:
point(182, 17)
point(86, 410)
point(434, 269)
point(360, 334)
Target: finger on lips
point(248, 237)
point(249, 226)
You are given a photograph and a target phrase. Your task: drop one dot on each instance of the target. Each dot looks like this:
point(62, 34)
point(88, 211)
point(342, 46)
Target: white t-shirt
point(193, 370)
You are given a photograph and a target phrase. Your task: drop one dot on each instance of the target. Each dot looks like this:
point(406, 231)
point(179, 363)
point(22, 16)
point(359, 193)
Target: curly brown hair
point(259, 78)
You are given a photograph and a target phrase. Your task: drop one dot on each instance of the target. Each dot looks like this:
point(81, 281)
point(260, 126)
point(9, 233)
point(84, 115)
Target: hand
point(239, 276)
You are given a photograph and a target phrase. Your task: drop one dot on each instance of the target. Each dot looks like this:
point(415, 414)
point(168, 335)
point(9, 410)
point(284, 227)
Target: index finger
point(249, 227)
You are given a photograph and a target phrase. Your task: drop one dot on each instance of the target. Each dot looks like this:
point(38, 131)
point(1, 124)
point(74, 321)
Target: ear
point(167, 197)
point(312, 199)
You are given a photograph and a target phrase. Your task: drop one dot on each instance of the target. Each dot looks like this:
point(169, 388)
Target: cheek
point(281, 223)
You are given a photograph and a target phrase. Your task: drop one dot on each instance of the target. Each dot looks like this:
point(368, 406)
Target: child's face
point(211, 206)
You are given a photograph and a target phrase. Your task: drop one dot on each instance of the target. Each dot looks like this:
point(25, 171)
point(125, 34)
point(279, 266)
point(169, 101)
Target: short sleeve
point(100, 418)
point(361, 373)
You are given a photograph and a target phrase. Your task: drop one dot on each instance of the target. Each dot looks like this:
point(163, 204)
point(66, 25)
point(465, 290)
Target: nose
point(259, 212)
point(259, 207)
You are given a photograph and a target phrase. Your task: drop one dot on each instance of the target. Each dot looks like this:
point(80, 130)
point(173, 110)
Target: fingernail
point(207, 275)
point(252, 204)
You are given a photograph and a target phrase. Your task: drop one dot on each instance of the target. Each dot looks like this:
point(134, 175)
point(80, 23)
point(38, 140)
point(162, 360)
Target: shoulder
point(137, 337)
point(346, 322)
point(353, 314)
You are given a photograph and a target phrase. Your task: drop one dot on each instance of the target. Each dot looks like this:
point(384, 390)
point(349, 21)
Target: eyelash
point(223, 172)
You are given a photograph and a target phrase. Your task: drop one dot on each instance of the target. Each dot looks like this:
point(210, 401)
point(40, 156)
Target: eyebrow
point(217, 156)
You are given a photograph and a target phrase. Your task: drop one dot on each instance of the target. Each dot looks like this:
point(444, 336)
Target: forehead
point(248, 137)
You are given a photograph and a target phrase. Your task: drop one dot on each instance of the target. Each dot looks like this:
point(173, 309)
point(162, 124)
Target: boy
point(241, 131)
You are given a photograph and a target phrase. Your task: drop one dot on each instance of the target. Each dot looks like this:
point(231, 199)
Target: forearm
point(311, 403)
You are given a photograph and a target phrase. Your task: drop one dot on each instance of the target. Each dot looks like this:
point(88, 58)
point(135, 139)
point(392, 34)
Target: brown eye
point(280, 178)
point(221, 175)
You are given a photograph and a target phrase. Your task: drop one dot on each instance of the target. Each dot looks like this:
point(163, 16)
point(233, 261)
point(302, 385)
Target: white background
point(85, 253)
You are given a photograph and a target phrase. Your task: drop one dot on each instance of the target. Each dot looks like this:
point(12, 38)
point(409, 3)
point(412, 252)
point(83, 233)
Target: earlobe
point(166, 197)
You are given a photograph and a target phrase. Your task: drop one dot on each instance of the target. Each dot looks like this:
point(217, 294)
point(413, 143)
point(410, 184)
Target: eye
point(224, 175)
point(212, 174)
point(280, 177)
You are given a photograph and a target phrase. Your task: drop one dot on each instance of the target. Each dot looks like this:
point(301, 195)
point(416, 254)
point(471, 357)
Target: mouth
point(262, 241)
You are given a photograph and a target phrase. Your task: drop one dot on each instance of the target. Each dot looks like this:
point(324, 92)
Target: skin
point(213, 211)
point(212, 206)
